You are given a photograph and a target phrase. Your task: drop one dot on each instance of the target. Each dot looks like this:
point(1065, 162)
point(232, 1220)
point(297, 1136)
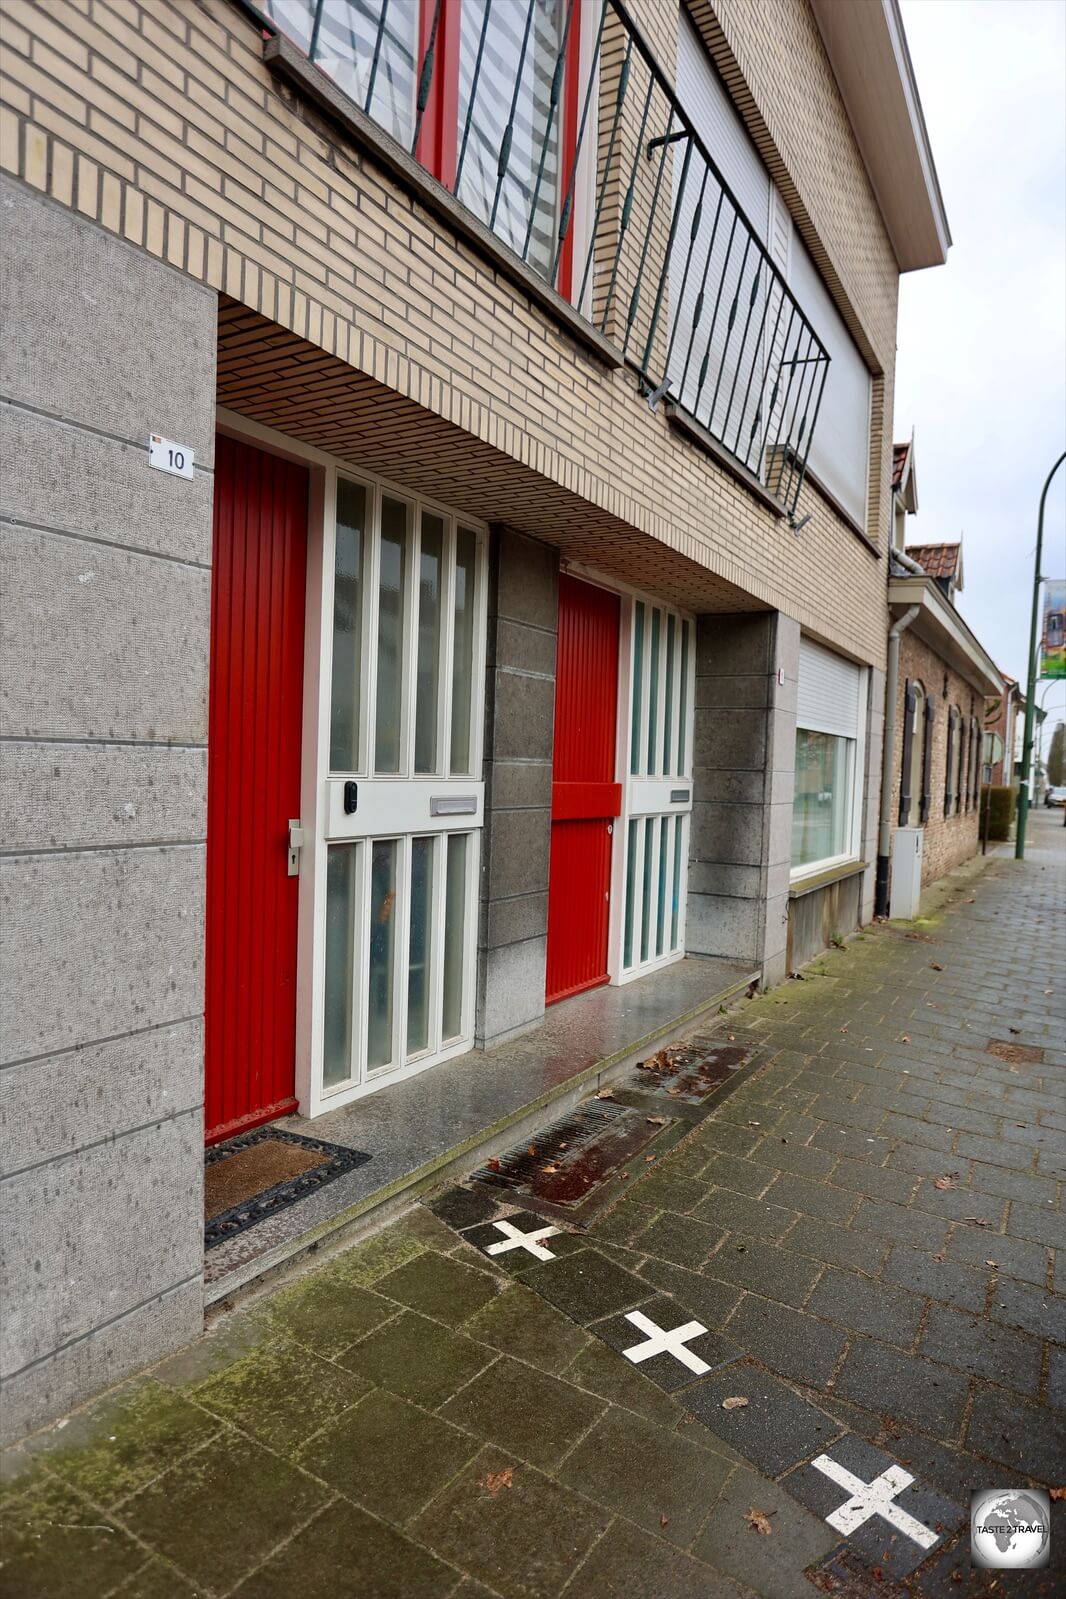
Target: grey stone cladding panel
point(511, 989)
point(525, 716)
point(733, 834)
point(135, 1340)
point(527, 581)
point(100, 943)
point(99, 333)
point(730, 739)
point(91, 795)
point(52, 1107)
point(517, 848)
point(518, 785)
point(74, 481)
point(100, 643)
point(92, 1236)
point(728, 645)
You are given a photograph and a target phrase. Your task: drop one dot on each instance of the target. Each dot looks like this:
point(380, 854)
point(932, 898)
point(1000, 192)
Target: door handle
point(296, 841)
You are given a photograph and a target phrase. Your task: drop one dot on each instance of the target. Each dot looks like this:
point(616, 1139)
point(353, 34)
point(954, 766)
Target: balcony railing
point(553, 124)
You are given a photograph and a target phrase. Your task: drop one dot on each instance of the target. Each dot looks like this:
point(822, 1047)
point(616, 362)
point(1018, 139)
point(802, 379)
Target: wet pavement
point(774, 1358)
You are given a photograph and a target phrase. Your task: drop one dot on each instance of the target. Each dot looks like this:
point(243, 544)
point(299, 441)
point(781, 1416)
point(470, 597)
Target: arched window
point(912, 757)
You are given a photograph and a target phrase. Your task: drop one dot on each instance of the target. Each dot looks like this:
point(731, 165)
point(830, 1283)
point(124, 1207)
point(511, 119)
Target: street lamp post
point(1030, 686)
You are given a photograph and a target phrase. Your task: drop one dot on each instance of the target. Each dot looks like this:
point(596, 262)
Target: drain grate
point(691, 1071)
point(562, 1164)
point(1015, 1054)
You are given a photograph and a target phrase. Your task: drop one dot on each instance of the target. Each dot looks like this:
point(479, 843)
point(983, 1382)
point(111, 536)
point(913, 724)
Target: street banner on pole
point(1053, 636)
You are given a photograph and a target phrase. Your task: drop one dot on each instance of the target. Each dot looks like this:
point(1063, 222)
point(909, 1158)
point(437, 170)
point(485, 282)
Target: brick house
point(448, 497)
point(943, 676)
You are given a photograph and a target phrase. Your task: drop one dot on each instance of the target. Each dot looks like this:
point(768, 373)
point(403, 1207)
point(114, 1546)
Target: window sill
point(287, 62)
point(832, 874)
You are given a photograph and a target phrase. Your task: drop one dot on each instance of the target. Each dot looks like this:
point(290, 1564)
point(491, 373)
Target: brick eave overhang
point(867, 49)
point(939, 624)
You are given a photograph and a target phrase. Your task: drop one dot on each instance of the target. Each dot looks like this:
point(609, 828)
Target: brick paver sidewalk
point(866, 1230)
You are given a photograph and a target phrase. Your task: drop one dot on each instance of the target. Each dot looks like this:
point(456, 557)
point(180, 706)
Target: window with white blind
point(830, 739)
point(839, 453)
point(840, 450)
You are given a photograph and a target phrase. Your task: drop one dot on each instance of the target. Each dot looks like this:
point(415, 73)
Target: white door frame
point(644, 796)
point(394, 807)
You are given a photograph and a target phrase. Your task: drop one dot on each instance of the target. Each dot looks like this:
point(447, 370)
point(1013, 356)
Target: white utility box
point(906, 872)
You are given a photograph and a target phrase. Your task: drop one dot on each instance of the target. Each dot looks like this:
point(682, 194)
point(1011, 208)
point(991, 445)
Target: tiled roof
point(937, 560)
point(899, 457)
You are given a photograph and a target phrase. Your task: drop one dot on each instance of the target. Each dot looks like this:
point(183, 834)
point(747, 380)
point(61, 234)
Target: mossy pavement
point(414, 1420)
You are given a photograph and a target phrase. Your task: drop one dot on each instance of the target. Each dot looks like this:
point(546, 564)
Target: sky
point(981, 362)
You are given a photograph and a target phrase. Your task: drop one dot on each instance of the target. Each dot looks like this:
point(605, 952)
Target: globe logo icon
point(1010, 1529)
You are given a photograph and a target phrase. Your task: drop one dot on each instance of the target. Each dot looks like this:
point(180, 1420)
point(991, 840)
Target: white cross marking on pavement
point(660, 1342)
point(520, 1240)
point(873, 1499)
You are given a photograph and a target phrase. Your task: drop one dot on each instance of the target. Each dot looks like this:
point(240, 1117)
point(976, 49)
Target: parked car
point(1055, 796)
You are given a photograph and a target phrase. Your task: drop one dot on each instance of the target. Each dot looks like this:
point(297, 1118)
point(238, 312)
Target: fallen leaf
point(755, 1124)
point(1057, 1493)
point(605, 1093)
point(904, 1039)
point(549, 1170)
point(947, 1181)
point(759, 1521)
point(1014, 1029)
point(532, 1150)
point(992, 1263)
point(648, 1158)
point(735, 1403)
point(730, 1037)
point(664, 1521)
point(495, 1480)
point(623, 1174)
point(655, 1121)
point(493, 1164)
point(977, 1221)
point(940, 1259)
point(936, 966)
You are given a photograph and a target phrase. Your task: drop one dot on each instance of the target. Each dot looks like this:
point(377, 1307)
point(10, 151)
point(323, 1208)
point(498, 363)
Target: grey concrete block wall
point(103, 711)
point(744, 757)
point(519, 730)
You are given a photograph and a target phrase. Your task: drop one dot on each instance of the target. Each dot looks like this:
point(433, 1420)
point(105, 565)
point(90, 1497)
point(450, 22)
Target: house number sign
point(166, 456)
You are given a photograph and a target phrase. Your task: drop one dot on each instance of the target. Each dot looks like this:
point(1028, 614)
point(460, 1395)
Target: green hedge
point(999, 803)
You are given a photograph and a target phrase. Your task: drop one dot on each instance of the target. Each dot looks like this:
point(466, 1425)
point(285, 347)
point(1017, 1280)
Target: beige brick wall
point(948, 839)
point(160, 122)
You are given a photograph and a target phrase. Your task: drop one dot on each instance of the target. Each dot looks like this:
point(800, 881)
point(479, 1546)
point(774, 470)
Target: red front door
point(253, 787)
point(586, 799)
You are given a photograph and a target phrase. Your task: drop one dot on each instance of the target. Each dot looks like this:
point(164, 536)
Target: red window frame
point(438, 135)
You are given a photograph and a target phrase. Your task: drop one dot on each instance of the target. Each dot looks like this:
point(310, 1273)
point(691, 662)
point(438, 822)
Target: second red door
point(586, 798)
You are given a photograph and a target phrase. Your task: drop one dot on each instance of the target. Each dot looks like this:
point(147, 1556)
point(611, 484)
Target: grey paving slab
point(902, 1385)
point(774, 1430)
point(1027, 1437)
point(936, 1278)
point(529, 1414)
point(634, 1563)
point(661, 1483)
point(876, 1542)
point(627, 1335)
point(981, 1348)
point(863, 1306)
point(787, 1341)
point(587, 1286)
point(773, 1565)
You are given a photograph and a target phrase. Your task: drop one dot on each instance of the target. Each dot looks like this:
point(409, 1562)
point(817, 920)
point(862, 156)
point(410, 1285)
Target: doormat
point(265, 1171)
point(561, 1164)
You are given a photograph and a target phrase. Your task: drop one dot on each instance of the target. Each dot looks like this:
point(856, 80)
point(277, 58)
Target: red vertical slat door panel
point(253, 787)
point(585, 796)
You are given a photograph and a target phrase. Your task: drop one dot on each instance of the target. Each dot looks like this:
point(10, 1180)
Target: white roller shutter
point(711, 112)
point(840, 451)
point(830, 692)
